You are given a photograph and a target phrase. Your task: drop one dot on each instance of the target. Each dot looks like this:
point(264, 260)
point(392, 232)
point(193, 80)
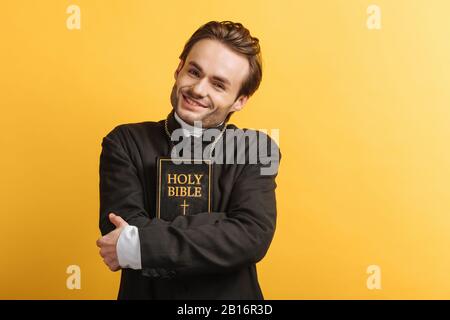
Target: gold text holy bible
point(183, 188)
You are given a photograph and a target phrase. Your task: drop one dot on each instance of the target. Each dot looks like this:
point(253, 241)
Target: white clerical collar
point(189, 130)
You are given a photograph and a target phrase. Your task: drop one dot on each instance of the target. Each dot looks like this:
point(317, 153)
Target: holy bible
point(183, 188)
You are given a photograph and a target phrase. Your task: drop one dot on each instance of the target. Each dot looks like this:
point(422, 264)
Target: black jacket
point(203, 256)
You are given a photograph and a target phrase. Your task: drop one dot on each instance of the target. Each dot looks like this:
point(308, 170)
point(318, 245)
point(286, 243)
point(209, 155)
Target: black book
point(183, 188)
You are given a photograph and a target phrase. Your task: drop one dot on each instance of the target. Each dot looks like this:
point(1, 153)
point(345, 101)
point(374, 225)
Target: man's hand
point(108, 243)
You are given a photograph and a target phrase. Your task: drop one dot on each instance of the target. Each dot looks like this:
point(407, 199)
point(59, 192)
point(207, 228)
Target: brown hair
point(237, 38)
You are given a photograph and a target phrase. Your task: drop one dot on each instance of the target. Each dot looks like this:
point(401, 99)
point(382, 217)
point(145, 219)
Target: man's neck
point(190, 130)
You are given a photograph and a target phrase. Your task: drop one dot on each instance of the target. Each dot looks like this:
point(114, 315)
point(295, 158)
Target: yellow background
point(364, 124)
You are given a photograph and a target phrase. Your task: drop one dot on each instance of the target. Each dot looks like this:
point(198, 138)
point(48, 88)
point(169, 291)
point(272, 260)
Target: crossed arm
point(202, 243)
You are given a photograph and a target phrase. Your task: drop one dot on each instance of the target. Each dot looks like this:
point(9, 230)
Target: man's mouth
point(193, 102)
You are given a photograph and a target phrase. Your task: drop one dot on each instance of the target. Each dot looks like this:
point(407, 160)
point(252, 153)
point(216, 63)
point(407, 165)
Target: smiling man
point(203, 254)
point(210, 98)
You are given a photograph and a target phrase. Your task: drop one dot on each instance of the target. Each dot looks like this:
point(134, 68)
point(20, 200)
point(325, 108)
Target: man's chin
point(189, 116)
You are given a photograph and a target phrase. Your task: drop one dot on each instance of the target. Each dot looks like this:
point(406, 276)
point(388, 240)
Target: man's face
point(208, 82)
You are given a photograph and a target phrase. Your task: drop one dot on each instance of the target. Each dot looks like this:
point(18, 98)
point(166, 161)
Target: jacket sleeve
point(224, 240)
point(121, 191)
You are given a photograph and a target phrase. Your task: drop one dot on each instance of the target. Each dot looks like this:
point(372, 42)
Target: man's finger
point(117, 220)
point(114, 267)
point(104, 251)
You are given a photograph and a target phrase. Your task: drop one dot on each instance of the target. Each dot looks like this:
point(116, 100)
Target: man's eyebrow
point(221, 79)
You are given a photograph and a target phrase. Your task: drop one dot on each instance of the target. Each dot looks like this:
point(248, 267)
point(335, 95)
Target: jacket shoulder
point(128, 134)
point(136, 129)
point(253, 136)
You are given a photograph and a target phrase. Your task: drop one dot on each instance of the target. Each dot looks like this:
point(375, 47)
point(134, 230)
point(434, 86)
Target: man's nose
point(199, 89)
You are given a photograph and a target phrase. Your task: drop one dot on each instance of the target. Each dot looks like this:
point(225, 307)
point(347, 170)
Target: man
point(207, 255)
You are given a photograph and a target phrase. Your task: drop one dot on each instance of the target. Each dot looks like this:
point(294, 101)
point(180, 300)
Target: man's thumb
point(117, 220)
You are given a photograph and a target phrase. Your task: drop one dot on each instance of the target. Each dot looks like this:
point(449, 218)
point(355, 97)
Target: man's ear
point(180, 66)
point(239, 104)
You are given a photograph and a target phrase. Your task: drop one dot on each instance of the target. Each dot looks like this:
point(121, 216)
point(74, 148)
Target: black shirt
point(204, 256)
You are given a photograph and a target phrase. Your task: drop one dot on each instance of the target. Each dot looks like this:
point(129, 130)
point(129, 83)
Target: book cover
point(183, 188)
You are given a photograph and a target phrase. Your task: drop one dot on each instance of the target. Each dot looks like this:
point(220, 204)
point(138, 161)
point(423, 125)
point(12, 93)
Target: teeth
point(192, 102)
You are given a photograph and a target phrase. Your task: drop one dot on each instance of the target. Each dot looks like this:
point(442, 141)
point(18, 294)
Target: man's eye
point(219, 86)
point(194, 72)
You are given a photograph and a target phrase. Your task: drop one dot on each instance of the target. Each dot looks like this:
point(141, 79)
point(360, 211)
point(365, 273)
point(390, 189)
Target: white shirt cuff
point(129, 248)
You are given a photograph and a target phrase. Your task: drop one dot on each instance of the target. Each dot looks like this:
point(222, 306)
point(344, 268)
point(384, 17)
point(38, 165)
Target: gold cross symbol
point(184, 205)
